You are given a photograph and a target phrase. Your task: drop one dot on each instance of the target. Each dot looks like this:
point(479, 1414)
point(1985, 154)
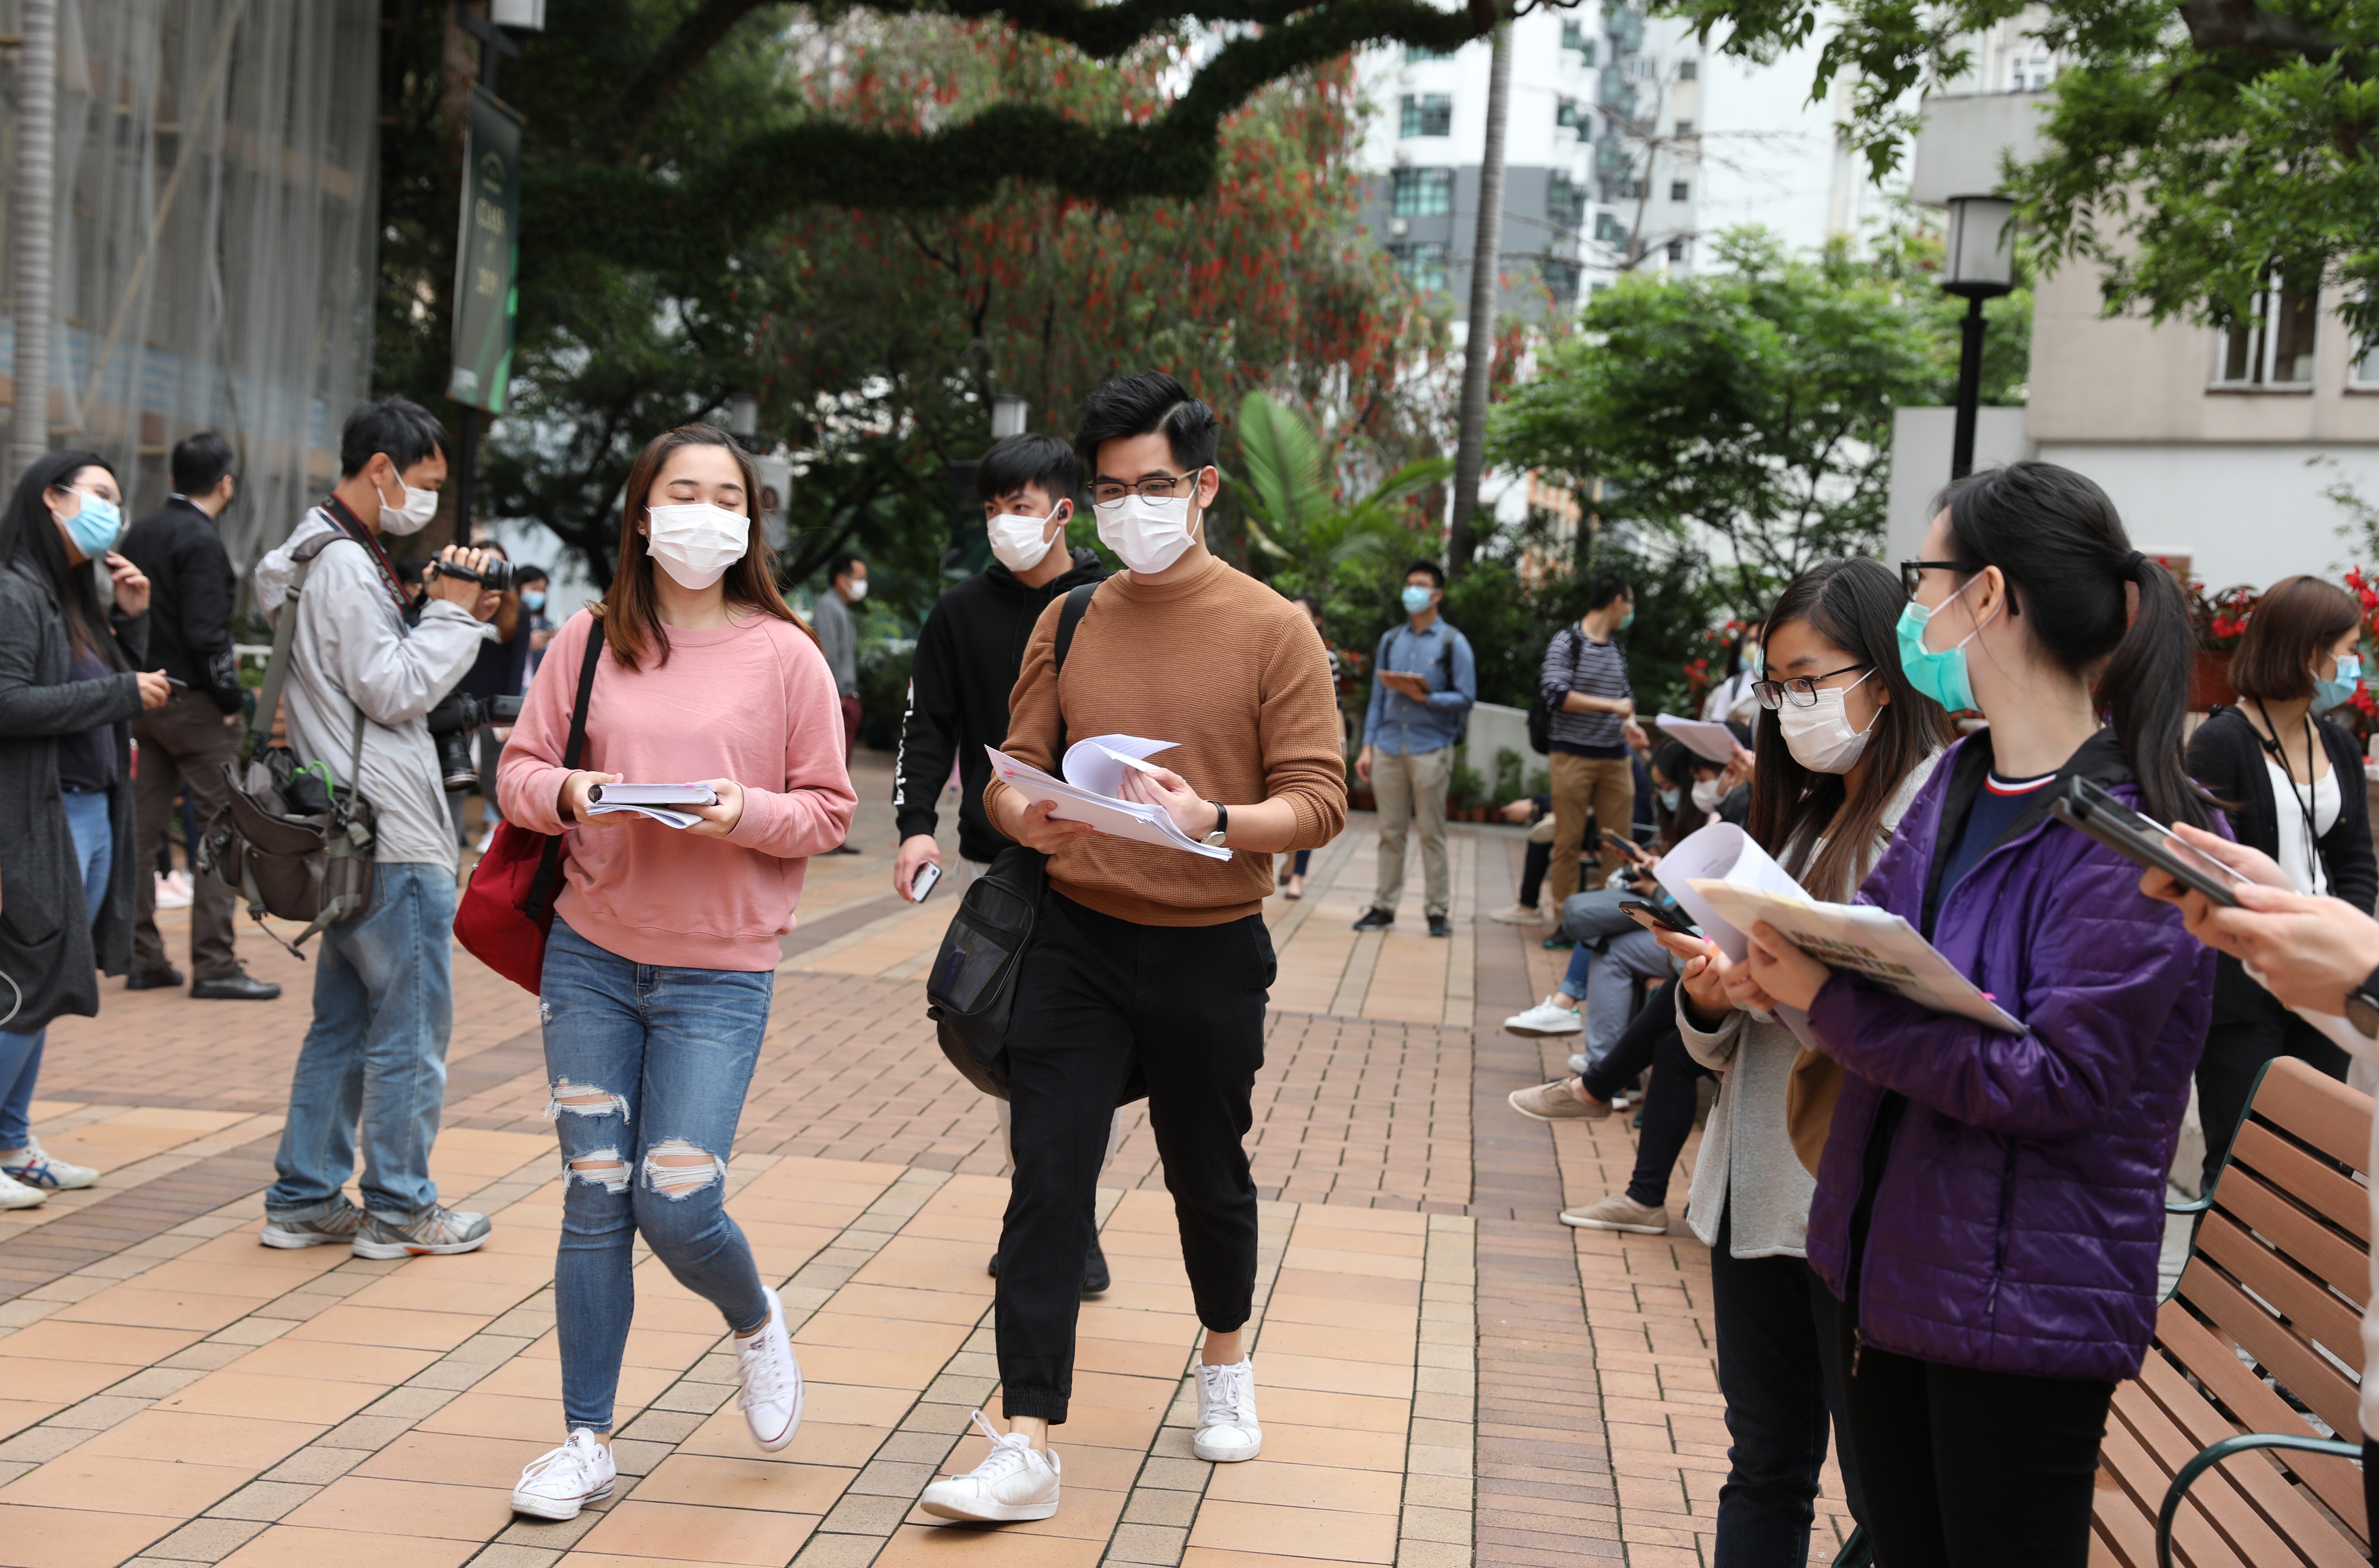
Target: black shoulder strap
point(1077, 603)
point(546, 884)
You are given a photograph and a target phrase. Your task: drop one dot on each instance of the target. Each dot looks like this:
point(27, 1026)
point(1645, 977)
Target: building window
point(1689, 70)
point(1565, 200)
point(2029, 74)
point(1676, 250)
point(1422, 263)
point(2276, 350)
point(1608, 229)
point(1685, 128)
point(1423, 193)
point(1567, 114)
point(1680, 190)
point(1417, 52)
point(1572, 34)
point(2364, 372)
point(1427, 114)
point(1561, 279)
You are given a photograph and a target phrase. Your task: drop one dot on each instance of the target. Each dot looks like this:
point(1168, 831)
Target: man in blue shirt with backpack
point(1423, 682)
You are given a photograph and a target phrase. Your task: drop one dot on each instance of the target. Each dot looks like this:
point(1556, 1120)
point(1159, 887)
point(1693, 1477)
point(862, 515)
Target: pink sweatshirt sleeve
point(528, 781)
point(811, 813)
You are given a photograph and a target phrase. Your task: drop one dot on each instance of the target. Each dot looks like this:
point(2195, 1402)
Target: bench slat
point(2336, 1482)
point(2215, 1526)
point(2326, 1189)
point(2337, 1261)
point(2313, 1313)
point(2317, 1108)
point(2285, 1357)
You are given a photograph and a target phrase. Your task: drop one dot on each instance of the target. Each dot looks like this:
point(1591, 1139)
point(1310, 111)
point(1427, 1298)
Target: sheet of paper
point(1076, 802)
point(662, 815)
point(655, 794)
point(1706, 737)
point(1863, 940)
point(1098, 762)
point(1724, 852)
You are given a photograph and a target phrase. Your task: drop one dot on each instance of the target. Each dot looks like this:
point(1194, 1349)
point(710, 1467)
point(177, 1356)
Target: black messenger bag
point(971, 990)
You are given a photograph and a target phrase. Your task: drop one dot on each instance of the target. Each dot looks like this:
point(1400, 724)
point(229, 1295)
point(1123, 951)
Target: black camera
point(451, 724)
point(497, 576)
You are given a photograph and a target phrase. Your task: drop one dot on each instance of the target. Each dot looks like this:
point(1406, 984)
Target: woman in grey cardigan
point(68, 688)
point(1843, 744)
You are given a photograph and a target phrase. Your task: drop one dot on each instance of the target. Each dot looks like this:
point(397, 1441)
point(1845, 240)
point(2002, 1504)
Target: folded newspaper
point(1729, 885)
point(1095, 770)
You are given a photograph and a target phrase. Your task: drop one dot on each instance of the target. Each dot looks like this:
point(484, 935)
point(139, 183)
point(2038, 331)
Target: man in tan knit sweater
point(1144, 957)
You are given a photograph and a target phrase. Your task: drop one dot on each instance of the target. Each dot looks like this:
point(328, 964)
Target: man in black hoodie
point(969, 653)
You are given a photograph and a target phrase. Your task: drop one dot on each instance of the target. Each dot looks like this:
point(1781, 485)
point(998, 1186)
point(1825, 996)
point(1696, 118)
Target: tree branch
point(649, 91)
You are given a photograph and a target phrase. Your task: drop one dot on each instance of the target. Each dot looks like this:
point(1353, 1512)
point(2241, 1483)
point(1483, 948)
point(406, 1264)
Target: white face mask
point(854, 590)
point(1149, 535)
point(1705, 795)
point(697, 542)
point(1019, 542)
point(419, 507)
point(1821, 737)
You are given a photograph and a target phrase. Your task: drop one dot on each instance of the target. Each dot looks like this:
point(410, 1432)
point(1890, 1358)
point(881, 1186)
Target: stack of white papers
point(1095, 770)
point(1704, 736)
point(660, 802)
point(1730, 884)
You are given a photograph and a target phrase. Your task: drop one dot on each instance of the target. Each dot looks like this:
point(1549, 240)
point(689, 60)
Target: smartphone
point(1627, 846)
point(2143, 840)
point(922, 883)
point(1649, 914)
point(178, 682)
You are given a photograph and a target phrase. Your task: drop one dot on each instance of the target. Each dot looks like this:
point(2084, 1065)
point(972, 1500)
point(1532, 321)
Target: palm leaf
point(1283, 465)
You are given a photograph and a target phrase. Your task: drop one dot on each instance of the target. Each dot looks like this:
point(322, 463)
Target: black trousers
point(1651, 1039)
point(1096, 997)
point(1535, 862)
point(1967, 1469)
point(1775, 1345)
point(2235, 1052)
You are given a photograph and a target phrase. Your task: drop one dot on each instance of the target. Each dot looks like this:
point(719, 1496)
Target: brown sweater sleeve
point(1304, 761)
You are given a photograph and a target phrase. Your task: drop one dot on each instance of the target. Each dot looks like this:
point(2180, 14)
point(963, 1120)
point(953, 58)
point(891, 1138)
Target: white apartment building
point(2216, 446)
point(1627, 146)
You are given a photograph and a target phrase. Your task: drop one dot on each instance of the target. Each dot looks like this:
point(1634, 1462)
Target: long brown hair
point(630, 613)
point(1854, 604)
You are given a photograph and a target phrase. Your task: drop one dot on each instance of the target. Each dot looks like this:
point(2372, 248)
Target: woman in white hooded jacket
point(1843, 744)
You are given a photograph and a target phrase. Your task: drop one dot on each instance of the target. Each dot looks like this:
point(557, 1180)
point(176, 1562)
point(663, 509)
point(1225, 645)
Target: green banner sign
point(486, 257)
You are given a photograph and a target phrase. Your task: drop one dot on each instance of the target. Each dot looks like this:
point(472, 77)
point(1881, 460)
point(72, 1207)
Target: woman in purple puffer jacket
point(1990, 1206)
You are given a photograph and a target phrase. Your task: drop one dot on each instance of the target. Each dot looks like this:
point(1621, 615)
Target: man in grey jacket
point(365, 666)
point(838, 640)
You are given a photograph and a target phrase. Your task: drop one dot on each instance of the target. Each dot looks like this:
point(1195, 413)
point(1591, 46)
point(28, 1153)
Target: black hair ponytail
point(2071, 573)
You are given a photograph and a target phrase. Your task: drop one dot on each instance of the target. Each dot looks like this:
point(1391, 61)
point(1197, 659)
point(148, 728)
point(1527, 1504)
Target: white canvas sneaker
point(1228, 1433)
point(15, 1194)
point(37, 1168)
point(771, 1379)
point(1548, 1016)
point(1014, 1481)
point(561, 1481)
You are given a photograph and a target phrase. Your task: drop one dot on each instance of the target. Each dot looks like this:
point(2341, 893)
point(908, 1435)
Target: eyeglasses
point(1161, 486)
point(1802, 690)
point(1912, 573)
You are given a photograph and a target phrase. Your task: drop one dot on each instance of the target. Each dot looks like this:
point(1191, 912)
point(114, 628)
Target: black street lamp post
point(1980, 265)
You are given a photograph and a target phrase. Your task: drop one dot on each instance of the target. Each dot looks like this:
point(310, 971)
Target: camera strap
point(276, 669)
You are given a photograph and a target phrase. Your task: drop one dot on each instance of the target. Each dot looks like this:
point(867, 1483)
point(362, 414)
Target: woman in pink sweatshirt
point(664, 950)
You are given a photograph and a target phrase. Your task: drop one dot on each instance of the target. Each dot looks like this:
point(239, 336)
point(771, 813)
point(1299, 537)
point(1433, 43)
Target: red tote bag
point(506, 911)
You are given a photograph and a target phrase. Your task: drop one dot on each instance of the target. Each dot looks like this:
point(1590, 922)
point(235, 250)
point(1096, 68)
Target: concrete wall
point(1495, 727)
point(1921, 438)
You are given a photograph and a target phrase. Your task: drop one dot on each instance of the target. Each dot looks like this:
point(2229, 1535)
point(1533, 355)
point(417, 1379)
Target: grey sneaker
point(335, 1228)
point(435, 1230)
point(1554, 1101)
point(1619, 1212)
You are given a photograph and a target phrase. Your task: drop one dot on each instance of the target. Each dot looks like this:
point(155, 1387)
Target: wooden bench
point(2204, 1463)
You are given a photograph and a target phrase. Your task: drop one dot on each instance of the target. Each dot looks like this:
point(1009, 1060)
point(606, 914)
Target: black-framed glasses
point(1912, 573)
point(1800, 690)
point(1156, 486)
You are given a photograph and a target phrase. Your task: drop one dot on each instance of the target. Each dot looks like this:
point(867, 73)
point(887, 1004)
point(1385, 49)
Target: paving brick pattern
point(1447, 1375)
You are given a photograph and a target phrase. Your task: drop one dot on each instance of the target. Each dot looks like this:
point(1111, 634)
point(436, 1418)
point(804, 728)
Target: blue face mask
point(1416, 600)
point(1939, 674)
point(95, 528)
point(532, 600)
point(1626, 620)
point(2327, 694)
point(1668, 799)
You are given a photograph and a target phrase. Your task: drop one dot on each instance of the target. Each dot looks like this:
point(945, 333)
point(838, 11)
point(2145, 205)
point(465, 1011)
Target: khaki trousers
point(1600, 787)
point(185, 742)
point(1409, 789)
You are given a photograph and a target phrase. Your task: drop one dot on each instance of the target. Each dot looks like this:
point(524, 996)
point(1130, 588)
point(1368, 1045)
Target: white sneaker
point(1228, 1433)
point(1521, 915)
point(558, 1483)
point(15, 1194)
point(1578, 1064)
point(1014, 1481)
point(174, 891)
point(1548, 1016)
point(772, 1380)
point(36, 1168)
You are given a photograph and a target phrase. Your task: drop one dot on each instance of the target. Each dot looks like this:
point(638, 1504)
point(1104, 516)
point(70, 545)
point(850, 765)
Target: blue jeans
point(650, 1066)
point(375, 1058)
point(20, 1054)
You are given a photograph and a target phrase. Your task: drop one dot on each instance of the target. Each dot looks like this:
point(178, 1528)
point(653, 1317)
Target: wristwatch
point(1222, 824)
point(2363, 1006)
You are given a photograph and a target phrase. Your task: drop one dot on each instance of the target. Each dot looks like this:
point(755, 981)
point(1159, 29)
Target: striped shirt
point(1576, 662)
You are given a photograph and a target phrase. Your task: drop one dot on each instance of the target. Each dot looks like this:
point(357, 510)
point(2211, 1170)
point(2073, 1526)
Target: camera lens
point(496, 576)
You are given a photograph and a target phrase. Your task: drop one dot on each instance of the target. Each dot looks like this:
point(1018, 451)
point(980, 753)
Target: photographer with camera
point(383, 989)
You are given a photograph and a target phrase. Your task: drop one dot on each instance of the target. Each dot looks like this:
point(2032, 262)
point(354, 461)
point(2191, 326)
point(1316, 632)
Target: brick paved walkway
point(1448, 1375)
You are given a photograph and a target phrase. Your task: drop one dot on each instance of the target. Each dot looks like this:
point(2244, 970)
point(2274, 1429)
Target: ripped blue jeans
point(648, 1068)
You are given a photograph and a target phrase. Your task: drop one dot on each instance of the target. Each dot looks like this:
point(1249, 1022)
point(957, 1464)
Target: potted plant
point(2221, 623)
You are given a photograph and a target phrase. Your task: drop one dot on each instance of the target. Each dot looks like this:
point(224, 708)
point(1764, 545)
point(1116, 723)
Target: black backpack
point(971, 990)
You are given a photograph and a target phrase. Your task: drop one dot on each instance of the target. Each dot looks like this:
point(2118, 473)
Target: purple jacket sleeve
point(2108, 966)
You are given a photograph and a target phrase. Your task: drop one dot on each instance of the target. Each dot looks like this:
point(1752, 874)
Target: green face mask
point(1626, 620)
